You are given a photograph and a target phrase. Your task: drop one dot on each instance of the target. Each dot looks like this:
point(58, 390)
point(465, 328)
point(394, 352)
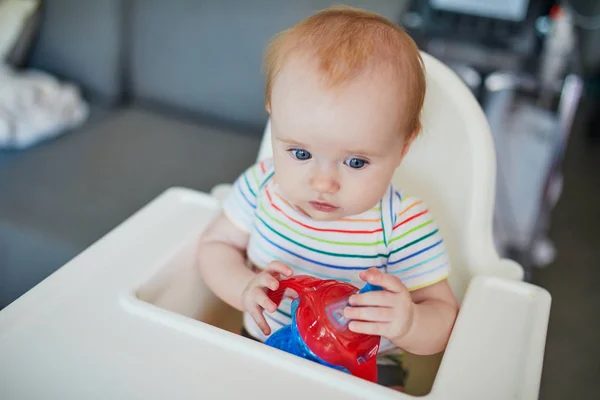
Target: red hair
point(347, 42)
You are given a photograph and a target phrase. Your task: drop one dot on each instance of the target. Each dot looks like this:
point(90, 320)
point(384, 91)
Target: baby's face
point(335, 150)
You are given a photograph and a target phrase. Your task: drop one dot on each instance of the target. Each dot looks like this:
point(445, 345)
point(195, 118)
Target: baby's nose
point(324, 182)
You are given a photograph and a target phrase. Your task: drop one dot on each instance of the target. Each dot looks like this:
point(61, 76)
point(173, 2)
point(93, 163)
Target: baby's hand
point(254, 297)
point(388, 313)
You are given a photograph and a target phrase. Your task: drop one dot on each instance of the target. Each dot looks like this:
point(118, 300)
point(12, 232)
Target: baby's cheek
point(367, 190)
point(292, 182)
point(377, 181)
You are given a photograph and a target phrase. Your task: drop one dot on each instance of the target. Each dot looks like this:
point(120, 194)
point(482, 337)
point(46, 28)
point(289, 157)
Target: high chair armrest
point(497, 345)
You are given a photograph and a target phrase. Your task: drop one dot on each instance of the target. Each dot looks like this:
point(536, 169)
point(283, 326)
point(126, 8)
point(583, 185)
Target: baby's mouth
point(323, 206)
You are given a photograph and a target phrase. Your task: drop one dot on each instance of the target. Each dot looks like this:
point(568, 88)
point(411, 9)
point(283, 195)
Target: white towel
point(35, 106)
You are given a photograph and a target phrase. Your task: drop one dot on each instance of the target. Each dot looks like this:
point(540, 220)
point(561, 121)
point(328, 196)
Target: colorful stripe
point(250, 203)
point(413, 242)
point(407, 220)
point(295, 266)
point(316, 238)
point(429, 271)
point(429, 283)
point(241, 207)
point(407, 209)
point(385, 242)
point(415, 254)
point(413, 230)
point(430, 259)
point(312, 249)
point(248, 183)
point(314, 261)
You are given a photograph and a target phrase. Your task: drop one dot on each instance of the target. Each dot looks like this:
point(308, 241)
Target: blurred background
point(106, 103)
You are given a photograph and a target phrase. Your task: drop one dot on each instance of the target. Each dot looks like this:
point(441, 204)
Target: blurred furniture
point(131, 318)
point(511, 55)
point(587, 22)
point(487, 35)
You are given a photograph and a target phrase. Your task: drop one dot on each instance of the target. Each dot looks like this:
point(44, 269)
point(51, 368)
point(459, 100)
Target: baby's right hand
point(254, 297)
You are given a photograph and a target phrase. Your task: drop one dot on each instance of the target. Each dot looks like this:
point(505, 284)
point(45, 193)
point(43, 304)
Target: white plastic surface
point(130, 318)
point(122, 321)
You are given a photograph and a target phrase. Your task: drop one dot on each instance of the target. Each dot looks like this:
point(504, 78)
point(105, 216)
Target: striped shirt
point(397, 236)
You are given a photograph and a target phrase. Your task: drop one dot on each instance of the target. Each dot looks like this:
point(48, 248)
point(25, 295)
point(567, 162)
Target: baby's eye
point(301, 154)
point(355, 163)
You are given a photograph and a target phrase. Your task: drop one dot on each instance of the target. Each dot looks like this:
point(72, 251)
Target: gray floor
point(572, 360)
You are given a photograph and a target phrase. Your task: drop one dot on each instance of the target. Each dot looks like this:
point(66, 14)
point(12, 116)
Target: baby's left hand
point(388, 313)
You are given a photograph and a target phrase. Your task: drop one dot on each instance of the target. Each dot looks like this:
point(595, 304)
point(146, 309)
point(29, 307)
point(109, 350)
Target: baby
point(345, 89)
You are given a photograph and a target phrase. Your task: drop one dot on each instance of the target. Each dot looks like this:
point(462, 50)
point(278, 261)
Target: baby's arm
point(221, 260)
point(435, 309)
point(222, 265)
point(221, 253)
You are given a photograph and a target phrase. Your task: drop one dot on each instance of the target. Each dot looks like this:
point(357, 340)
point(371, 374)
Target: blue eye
point(301, 154)
point(355, 163)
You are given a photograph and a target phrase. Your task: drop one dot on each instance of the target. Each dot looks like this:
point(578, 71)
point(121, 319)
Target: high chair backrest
point(452, 166)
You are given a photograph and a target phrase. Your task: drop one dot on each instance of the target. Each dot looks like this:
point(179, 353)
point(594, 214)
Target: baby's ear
point(268, 107)
point(409, 141)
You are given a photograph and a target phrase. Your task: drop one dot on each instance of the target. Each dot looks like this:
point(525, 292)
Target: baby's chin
point(325, 217)
point(330, 216)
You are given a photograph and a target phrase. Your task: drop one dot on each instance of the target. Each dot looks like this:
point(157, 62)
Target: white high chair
point(130, 318)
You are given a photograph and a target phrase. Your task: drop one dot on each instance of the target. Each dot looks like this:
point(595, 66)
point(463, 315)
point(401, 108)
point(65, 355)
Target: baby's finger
point(370, 314)
point(268, 281)
point(368, 328)
point(259, 318)
point(282, 268)
point(263, 300)
point(386, 281)
point(379, 298)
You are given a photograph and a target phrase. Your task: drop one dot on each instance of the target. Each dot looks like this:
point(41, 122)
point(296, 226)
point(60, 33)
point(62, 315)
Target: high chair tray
point(129, 319)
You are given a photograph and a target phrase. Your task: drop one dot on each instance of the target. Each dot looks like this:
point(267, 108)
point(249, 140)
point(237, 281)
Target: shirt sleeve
point(240, 205)
point(417, 251)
